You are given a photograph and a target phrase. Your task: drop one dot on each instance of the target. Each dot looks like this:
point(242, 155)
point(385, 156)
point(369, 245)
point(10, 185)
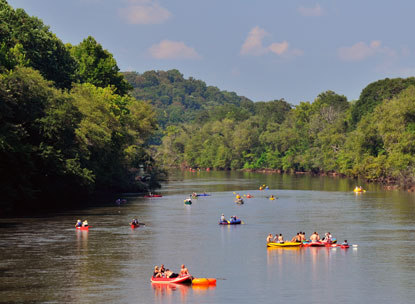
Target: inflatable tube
point(212, 281)
point(200, 281)
point(344, 246)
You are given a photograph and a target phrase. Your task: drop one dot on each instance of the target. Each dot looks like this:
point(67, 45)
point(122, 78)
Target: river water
point(45, 260)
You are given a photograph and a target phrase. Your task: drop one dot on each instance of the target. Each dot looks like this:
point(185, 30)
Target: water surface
point(44, 259)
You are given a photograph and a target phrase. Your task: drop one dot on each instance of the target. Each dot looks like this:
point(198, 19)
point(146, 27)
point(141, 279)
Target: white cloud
point(168, 49)
point(253, 45)
point(144, 12)
point(361, 50)
point(279, 48)
point(311, 11)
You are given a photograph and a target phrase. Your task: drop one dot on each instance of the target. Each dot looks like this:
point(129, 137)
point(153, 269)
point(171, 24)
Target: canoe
point(285, 244)
point(179, 280)
point(235, 222)
point(83, 228)
point(154, 195)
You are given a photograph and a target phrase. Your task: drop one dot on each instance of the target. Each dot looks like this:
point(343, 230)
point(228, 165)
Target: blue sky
point(264, 49)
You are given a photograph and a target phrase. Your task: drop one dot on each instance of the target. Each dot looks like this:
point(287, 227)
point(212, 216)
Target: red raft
point(314, 244)
point(154, 195)
point(83, 228)
point(179, 280)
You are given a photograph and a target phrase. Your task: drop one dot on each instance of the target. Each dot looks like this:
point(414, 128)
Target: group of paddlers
point(79, 223)
point(161, 272)
point(299, 238)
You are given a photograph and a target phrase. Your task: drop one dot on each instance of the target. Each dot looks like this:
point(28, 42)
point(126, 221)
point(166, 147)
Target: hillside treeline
point(68, 127)
point(371, 138)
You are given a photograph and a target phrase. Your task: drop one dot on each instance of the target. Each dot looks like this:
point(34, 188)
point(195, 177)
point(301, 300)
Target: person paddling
point(78, 223)
point(85, 223)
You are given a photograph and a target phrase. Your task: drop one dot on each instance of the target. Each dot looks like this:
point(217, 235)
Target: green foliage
point(97, 66)
point(375, 93)
point(38, 47)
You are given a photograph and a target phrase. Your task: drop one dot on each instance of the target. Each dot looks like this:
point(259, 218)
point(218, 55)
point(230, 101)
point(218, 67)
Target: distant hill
point(177, 100)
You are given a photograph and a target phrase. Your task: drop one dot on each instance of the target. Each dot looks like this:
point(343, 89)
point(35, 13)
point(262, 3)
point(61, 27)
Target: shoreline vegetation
point(74, 126)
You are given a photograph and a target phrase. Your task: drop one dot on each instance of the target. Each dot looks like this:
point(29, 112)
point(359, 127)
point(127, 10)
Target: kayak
point(178, 280)
point(234, 222)
point(285, 244)
point(154, 195)
point(83, 228)
point(135, 226)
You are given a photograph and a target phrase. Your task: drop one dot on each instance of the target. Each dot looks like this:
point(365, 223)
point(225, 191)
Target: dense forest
point(203, 127)
point(72, 125)
point(69, 129)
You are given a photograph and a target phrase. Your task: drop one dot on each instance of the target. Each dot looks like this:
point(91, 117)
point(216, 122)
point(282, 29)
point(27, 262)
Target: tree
point(97, 66)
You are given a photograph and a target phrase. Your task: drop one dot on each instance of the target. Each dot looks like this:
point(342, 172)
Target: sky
point(263, 49)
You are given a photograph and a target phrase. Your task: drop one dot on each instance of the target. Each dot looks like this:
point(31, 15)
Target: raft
point(272, 198)
point(285, 244)
point(233, 222)
point(179, 280)
point(83, 228)
point(314, 244)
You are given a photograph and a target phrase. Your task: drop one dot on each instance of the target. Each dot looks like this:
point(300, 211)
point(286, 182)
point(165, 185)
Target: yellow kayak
point(285, 244)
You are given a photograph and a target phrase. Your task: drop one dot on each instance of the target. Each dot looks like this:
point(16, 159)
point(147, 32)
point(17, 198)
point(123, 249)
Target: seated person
point(345, 243)
point(296, 238)
point(170, 274)
point(269, 238)
point(280, 238)
point(134, 222)
point(85, 223)
point(222, 218)
point(78, 223)
point(183, 271)
point(156, 273)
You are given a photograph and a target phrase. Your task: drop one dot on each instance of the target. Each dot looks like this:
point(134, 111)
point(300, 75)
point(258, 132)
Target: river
point(45, 260)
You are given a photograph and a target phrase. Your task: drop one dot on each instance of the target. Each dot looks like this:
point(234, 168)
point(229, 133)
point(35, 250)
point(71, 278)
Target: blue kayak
point(232, 222)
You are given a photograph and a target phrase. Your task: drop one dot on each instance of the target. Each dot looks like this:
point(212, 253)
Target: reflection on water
point(163, 293)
